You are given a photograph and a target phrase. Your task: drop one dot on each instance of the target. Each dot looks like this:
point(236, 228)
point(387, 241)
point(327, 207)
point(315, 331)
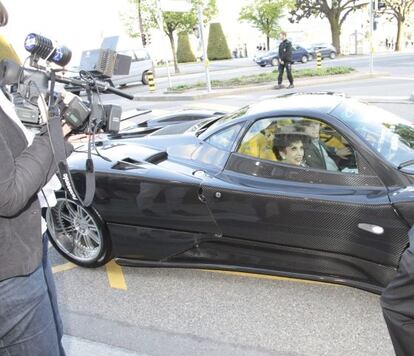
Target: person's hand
point(78, 138)
point(66, 129)
point(281, 62)
point(343, 152)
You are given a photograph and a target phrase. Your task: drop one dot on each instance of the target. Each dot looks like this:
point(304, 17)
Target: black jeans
point(281, 69)
point(30, 324)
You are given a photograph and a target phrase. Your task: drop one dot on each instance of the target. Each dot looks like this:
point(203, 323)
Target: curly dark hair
point(282, 141)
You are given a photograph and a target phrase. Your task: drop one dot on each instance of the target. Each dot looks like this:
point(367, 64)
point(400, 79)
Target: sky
point(82, 24)
point(77, 24)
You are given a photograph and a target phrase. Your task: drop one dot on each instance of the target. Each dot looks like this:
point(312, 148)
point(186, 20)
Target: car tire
point(262, 65)
point(144, 79)
point(78, 233)
point(332, 55)
point(304, 59)
point(274, 62)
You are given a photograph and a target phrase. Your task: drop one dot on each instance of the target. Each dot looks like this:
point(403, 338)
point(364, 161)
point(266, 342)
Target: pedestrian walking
point(285, 61)
point(397, 302)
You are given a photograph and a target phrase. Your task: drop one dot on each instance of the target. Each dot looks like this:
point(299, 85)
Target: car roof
point(320, 102)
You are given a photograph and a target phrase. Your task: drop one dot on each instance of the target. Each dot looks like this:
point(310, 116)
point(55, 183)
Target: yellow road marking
point(115, 276)
point(266, 276)
point(64, 267)
point(117, 280)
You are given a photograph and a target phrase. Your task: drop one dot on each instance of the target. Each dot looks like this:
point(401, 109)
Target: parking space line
point(266, 276)
point(64, 267)
point(115, 276)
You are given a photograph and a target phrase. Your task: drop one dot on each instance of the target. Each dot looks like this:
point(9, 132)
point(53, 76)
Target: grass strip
point(267, 77)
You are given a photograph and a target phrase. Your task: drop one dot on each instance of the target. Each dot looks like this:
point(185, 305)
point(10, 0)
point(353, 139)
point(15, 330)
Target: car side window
point(130, 54)
point(299, 141)
point(142, 55)
point(224, 139)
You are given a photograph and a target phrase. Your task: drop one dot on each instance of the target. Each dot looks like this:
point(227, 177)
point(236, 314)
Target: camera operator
point(29, 319)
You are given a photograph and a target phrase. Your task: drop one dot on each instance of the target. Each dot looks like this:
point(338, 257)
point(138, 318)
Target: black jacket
point(314, 157)
point(24, 171)
point(397, 303)
point(285, 51)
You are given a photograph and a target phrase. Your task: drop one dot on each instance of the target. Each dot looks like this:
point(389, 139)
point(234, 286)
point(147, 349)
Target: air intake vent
point(157, 158)
point(127, 163)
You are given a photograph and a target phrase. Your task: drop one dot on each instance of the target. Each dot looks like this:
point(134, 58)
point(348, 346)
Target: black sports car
point(315, 186)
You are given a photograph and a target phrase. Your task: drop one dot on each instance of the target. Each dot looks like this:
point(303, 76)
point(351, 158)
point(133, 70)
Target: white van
point(141, 64)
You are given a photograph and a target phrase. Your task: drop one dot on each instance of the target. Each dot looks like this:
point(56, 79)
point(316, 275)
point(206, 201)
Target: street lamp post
point(371, 35)
point(205, 59)
point(161, 27)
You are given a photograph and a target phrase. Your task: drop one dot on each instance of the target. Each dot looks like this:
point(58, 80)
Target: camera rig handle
point(101, 86)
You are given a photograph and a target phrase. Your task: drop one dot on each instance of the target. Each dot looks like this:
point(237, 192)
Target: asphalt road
point(396, 64)
point(196, 312)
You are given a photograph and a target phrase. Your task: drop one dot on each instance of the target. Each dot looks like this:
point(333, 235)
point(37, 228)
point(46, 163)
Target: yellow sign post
point(151, 82)
point(318, 60)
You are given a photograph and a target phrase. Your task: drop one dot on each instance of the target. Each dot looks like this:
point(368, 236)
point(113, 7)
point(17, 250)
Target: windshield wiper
point(406, 163)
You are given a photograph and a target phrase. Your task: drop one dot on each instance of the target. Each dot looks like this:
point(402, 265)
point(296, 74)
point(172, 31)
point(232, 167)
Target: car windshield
point(228, 118)
point(388, 134)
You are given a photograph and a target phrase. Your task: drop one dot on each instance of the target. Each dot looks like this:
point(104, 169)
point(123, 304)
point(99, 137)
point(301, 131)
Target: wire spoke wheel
point(77, 233)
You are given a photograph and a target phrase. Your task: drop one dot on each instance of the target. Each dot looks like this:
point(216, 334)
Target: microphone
point(43, 47)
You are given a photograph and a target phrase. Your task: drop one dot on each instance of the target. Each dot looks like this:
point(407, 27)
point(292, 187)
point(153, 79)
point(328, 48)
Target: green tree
point(184, 52)
point(135, 22)
point(400, 11)
point(217, 45)
point(174, 22)
point(336, 11)
point(265, 15)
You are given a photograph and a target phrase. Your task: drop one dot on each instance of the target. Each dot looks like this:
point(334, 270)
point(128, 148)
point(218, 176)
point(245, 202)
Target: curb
point(76, 346)
point(222, 92)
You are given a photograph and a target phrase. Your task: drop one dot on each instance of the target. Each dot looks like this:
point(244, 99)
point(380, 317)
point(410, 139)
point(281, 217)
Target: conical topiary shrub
point(217, 44)
point(184, 52)
point(7, 51)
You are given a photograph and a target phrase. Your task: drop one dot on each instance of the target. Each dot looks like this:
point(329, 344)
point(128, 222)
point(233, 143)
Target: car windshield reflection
point(227, 118)
point(388, 134)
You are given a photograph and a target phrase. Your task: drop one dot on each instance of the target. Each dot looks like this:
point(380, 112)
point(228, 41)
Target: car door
point(296, 53)
point(329, 215)
point(140, 63)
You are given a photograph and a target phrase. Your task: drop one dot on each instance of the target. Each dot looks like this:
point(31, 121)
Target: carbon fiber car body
point(174, 200)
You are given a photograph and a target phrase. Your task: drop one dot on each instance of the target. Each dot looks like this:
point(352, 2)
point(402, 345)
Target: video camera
point(31, 87)
point(26, 85)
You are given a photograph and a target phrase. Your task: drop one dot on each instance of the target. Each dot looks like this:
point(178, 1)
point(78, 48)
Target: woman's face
point(293, 154)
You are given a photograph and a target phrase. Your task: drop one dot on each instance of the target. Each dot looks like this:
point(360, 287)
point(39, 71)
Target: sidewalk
point(75, 346)
point(203, 94)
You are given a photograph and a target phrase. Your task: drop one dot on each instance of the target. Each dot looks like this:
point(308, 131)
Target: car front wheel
point(304, 59)
point(332, 55)
point(78, 233)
